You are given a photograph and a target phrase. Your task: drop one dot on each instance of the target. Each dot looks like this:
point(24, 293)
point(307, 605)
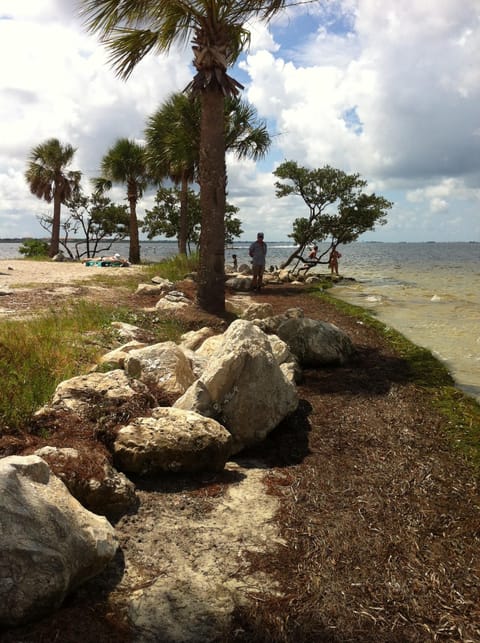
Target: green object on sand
point(104, 264)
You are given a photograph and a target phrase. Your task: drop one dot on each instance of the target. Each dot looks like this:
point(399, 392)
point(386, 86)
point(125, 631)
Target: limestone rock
point(272, 324)
point(134, 333)
point(172, 440)
point(249, 392)
point(257, 311)
point(195, 338)
point(49, 543)
point(239, 283)
point(116, 358)
point(165, 283)
point(210, 346)
point(316, 343)
point(163, 364)
point(169, 305)
point(82, 394)
point(107, 491)
point(154, 289)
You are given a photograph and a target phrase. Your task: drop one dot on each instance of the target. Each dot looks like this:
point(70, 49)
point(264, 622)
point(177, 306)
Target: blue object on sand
point(104, 264)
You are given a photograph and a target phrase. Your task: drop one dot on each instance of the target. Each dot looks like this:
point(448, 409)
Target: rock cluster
point(227, 392)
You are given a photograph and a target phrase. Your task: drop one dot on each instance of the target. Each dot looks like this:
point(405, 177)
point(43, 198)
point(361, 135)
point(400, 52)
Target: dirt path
point(186, 563)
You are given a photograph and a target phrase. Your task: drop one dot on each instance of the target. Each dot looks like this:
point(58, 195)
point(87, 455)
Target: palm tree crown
point(49, 180)
point(173, 142)
point(172, 149)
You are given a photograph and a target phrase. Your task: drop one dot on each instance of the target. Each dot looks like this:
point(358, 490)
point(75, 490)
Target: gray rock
point(108, 492)
point(163, 364)
point(49, 543)
point(172, 440)
point(250, 394)
point(316, 343)
point(82, 394)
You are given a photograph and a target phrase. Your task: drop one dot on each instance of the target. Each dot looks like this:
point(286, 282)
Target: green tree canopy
point(49, 179)
point(173, 142)
point(339, 210)
point(94, 222)
point(163, 218)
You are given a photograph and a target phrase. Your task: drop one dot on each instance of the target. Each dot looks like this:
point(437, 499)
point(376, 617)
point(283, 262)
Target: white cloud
point(387, 89)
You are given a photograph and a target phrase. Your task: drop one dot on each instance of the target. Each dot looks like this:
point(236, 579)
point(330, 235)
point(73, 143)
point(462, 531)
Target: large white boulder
point(257, 311)
point(195, 338)
point(105, 490)
point(172, 440)
point(250, 395)
point(49, 543)
point(116, 357)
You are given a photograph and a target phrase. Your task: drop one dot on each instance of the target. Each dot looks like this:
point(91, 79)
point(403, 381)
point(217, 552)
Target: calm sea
point(430, 292)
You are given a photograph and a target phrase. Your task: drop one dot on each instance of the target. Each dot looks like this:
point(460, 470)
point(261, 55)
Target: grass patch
point(461, 412)
point(175, 269)
point(37, 354)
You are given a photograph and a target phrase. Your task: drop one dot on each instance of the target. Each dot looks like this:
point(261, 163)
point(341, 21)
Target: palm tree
point(133, 28)
point(126, 163)
point(173, 142)
point(48, 179)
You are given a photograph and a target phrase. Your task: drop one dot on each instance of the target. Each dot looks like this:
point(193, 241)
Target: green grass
point(460, 411)
point(37, 354)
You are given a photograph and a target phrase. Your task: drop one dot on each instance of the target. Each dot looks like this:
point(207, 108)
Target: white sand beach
point(22, 273)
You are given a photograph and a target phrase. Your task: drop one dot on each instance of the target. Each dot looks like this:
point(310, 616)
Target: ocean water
point(430, 292)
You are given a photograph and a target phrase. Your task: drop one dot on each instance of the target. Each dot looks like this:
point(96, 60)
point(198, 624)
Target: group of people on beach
point(258, 253)
point(332, 260)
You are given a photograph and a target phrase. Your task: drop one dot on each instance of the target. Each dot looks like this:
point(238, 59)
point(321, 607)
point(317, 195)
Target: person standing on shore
point(258, 253)
point(333, 261)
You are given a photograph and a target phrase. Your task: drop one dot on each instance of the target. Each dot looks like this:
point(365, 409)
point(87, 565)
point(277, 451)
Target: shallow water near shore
point(430, 292)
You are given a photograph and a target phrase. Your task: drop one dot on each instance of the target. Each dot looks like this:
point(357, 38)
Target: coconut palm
point(133, 28)
point(173, 142)
point(126, 163)
point(48, 179)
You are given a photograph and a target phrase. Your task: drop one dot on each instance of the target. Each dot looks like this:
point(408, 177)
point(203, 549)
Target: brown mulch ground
point(381, 518)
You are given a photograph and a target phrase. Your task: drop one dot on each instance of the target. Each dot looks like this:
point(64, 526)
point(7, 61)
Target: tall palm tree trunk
point(182, 232)
point(55, 238)
point(134, 248)
point(213, 181)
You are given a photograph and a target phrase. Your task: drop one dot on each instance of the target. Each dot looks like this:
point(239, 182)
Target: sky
point(386, 89)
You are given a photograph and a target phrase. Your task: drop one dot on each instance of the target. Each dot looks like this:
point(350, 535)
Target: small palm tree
point(173, 142)
point(48, 179)
point(126, 163)
point(133, 28)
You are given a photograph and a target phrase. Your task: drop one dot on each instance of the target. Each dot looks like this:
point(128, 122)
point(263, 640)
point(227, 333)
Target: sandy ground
point(18, 273)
